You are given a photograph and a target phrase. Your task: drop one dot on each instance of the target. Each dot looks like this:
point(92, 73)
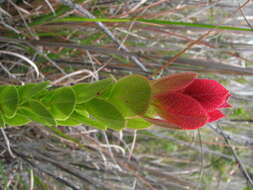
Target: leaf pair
point(109, 104)
point(56, 105)
point(22, 104)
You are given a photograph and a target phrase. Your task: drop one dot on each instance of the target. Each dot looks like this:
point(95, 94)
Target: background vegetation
point(68, 42)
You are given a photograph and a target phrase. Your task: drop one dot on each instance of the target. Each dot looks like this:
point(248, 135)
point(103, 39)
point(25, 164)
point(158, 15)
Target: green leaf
point(137, 123)
point(81, 116)
point(71, 121)
point(17, 120)
point(131, 95)
point(62, 103)
point(28, 91)
point(2, 123)
point(85, 92)
point(44, 18)
point(8, 100)
point(82, 92)
point(37, 112)
point(89, 121)
point(106, 112)
point(81, 109)
point(77, 119)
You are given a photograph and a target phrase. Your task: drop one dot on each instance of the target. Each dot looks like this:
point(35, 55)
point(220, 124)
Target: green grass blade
point(197, 25)
point(152, 21)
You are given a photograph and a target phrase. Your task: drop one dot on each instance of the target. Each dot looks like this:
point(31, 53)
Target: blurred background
point(66, 43)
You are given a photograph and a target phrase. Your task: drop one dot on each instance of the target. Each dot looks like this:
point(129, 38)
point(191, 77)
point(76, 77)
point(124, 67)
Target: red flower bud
point(185, 102)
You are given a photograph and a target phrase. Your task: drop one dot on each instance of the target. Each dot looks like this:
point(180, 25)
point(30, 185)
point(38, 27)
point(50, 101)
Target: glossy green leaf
point(37, 112)
point(106, 113)
point(70, 121)
point(62, 103)
point(77, 119)
point(82, 92)
point(8, 100)
point(28, 91)
point(85, 92)
point(131, 95)
point(81, 109)
point(137, 123)
point(17, 120)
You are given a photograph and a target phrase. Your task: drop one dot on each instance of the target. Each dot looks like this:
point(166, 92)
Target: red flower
point(185, 102)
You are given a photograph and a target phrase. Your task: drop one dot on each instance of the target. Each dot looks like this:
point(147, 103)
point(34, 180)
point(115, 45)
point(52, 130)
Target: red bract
point(185, 102)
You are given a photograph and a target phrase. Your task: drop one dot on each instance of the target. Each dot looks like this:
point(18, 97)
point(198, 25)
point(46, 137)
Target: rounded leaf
point(28, 91)
point(85, 92)
point(37, 112)
point(105, 112)
point(81, 109)
point(71, 121)
point(17, 120)
point(82, 119)
point(8, 100)
point(137, 123)
point(62, 103)
point(131, 95)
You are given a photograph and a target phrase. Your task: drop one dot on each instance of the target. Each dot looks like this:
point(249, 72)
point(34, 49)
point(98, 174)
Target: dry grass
point(32, 49)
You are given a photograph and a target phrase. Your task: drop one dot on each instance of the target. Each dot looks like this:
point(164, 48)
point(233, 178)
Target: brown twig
point(241, 165)
point(189, 46)
point(85, 12)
